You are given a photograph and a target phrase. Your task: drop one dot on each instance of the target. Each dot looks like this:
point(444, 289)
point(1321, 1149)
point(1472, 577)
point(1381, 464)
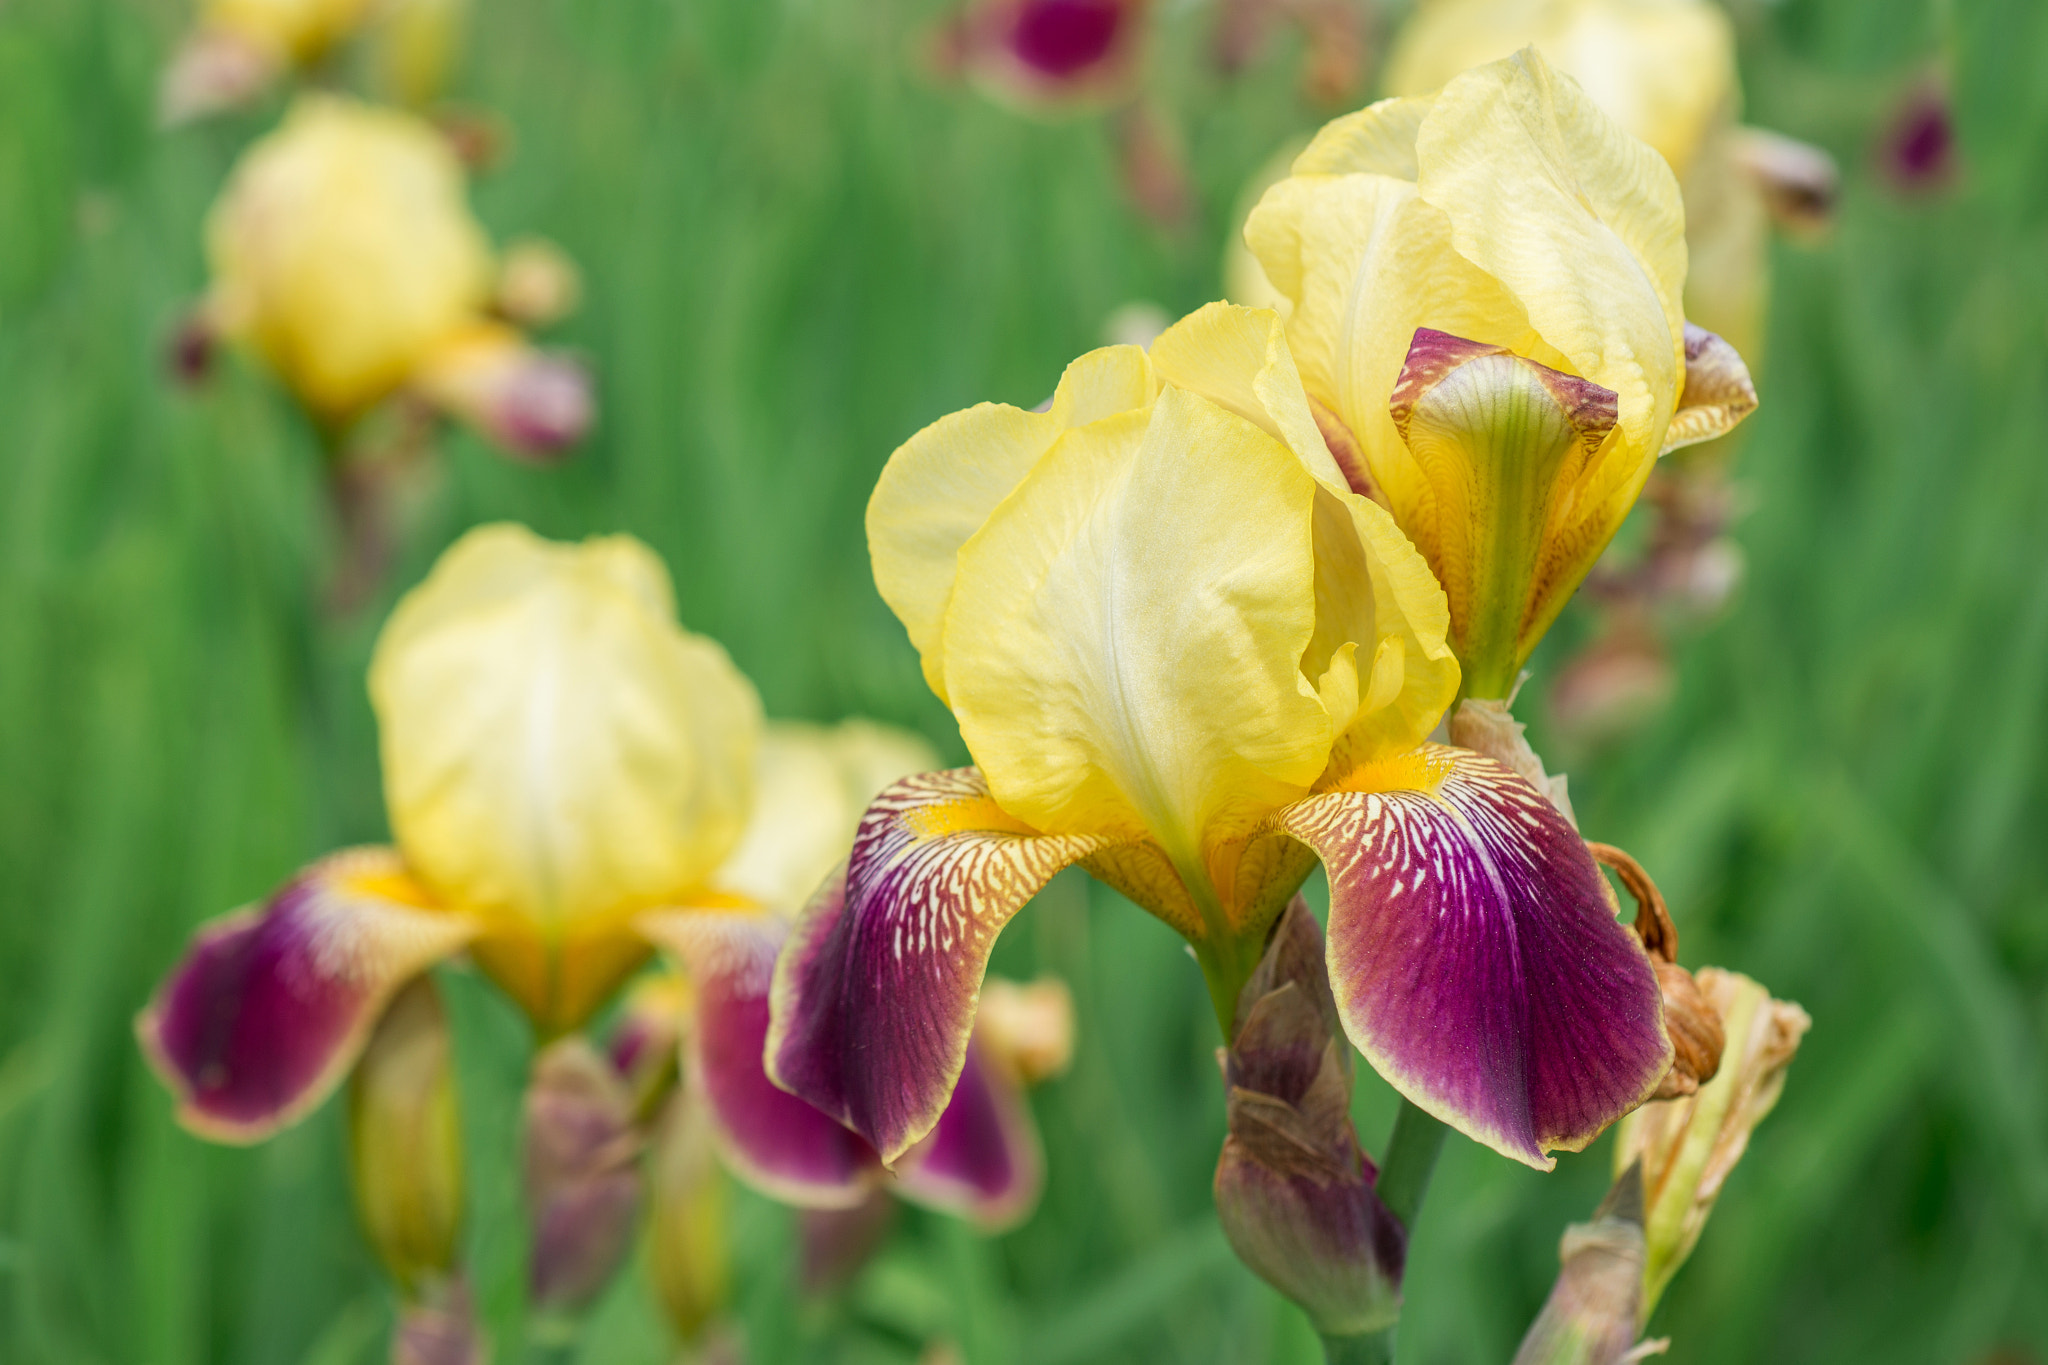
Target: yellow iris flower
point(344, 253)
point(1482, 288)
point(238, 48)
point(1186, 654)
point(1665, 71)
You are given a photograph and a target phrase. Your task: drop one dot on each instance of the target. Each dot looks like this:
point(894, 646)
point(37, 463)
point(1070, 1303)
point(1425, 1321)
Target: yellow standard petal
point(941, 485)
point(811, 786)
point(343, 251)
point(1663, 69)
point(1124, 640)
point(1505, 211)
point(558, 753)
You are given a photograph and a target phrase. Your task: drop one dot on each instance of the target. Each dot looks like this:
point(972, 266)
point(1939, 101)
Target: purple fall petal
point(982, 1161)
point(769, 1138)
point(874, 997)
point(270, 1007)
point(1476, 961)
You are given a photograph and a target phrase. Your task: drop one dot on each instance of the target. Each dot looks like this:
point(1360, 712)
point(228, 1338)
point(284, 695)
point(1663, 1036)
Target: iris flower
point(238, 48)
point(344, 254)
point(1482, 289)
point(982, 1161)
point(1665, 71)
point(571, 780)
point(1047, 54)
point(1186, 655)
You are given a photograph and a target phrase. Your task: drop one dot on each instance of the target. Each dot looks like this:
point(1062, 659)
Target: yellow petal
point(811, 785)
point(557, 751)
point(1665, 71)
point(1375, 591)
point(1581, 223)
point(1509, 212)
point(299, 29)
point(1366, 262)
point(343, 251)
point(1237, 358)
point(1124, 641)
point(941, 484)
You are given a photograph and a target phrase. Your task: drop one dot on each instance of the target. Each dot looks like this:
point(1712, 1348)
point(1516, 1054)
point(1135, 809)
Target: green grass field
point(798, 250)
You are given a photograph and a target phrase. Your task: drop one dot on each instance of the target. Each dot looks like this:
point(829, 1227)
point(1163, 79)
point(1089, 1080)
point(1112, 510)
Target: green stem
point(1411, 1159)
point(1404, 1180)
point(1227, 959)
point(1370, 1348)
point(553, 1339)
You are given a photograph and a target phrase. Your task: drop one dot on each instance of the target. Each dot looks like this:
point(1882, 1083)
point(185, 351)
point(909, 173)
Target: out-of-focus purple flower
point(1917, 150)
point(1046, 54)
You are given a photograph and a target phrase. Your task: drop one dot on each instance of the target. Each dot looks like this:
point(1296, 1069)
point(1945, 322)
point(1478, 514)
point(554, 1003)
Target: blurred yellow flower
point(1482, 288)
point(1663, 69)
point(344, 253)
point(237, 48)
point(632, 781)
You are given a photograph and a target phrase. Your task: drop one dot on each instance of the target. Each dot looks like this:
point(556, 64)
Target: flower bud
point(653, 1024)
point(1688, 1145)
point(537, 283)
point(442, 1331)
point(836, 1243)
point(1591, 1314)
point(582, 1174)
point(214, 70)
point(529, 403)
point(1798, 181)
point(405, 1141)
point(1028, 1027)
point(1045, 54)
point(686, 1233)
point(1918, 151)
point(1294, 1190)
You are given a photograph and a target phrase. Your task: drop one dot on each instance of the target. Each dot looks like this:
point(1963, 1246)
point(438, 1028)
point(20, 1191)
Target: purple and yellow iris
point(1186, 655)
point(573, 781)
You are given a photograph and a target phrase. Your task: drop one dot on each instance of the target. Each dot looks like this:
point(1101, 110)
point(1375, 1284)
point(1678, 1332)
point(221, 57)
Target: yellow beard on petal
point(1422, 770)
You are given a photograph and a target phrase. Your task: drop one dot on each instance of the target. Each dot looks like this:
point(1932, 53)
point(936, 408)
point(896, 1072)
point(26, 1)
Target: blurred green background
point(798, 249)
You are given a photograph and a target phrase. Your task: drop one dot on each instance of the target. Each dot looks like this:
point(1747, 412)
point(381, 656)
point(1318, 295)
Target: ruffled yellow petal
point(1663, 69)
point(1124, 641)
point(558, 753)
point(343, 251)
point(1505, 211)
point(1579, 222)
point(941, 484)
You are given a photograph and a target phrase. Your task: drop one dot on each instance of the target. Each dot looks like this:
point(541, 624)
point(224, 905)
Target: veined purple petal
point(982, 1160)
point(270, 1007)
point(769, 1138)
point(1476, 961)
point(875, 994)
